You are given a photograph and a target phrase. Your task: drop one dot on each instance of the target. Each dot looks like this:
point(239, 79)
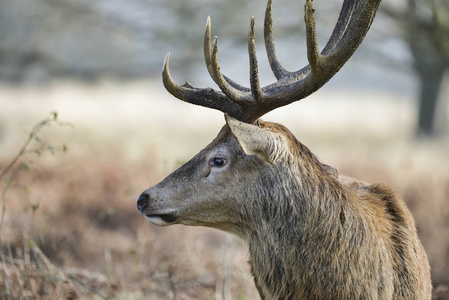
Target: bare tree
point(425, 28)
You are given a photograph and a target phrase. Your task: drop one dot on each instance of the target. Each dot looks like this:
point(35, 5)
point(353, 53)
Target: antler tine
point(233, 93)
point(208, 58)
point(206, 97)
point(169, 84)
point(276, 66)
point(207, 48)
point(313, 53)
point(253, 66)
point(348, 33)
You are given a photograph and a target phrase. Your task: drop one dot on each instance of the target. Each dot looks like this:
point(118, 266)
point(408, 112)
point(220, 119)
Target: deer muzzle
point(146, 206)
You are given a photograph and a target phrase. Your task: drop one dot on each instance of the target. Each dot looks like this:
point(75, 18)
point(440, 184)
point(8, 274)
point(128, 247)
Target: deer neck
point(291, 221)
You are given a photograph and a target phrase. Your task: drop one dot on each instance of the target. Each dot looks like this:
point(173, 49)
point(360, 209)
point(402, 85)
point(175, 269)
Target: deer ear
point(255, 140)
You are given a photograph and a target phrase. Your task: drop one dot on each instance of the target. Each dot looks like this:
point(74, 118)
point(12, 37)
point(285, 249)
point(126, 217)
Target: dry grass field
point(71, 228)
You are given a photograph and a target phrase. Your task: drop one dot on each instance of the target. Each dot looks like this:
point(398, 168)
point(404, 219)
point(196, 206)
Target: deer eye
point(217, 162)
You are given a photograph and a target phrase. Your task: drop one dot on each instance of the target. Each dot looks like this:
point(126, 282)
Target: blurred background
point(69, 224)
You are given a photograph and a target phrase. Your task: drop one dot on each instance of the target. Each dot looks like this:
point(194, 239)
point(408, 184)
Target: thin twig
point(43, 260)
point(172, 283)
point(14, 267)
point(31, 136)
point(87, 286)
point(108, 261)
point(5, 196)
point(22, 150)
point(2, 254)
point(5, 275)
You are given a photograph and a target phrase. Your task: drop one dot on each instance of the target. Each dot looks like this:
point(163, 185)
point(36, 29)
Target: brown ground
point(71, 226)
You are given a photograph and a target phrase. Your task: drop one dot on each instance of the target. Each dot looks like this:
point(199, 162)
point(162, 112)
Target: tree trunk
point(431, 78)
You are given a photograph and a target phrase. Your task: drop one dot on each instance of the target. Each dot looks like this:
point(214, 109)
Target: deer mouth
point(162, 219)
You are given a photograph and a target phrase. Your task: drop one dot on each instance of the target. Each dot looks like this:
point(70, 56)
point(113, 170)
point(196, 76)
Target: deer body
point(312, 234)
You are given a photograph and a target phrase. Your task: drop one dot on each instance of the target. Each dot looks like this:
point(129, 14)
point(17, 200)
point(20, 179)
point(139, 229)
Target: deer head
point(189, 195)
point(218, 187)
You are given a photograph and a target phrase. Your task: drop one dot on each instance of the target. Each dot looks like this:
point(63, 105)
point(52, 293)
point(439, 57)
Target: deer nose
point(142, 202)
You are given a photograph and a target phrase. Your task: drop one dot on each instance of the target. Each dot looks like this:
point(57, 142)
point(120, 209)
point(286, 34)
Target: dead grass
point(72, 229)
point(87, 220)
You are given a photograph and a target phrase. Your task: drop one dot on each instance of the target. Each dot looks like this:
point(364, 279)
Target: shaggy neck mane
point(295, 148)
point(308, 215)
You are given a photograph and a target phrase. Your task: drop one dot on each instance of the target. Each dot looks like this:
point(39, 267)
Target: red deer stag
point(312, 234)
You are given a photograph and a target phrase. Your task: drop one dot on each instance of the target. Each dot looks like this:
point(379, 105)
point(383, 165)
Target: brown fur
point(312, 234)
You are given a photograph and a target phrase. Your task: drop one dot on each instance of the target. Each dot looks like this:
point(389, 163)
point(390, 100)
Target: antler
point(248, 104)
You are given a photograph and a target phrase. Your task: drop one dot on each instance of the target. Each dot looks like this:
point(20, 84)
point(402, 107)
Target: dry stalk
point(33, 135)
point(172, 283)
point(226, 292)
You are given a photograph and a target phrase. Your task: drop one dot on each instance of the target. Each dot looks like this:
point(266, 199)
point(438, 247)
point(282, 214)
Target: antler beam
point(248, 104)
